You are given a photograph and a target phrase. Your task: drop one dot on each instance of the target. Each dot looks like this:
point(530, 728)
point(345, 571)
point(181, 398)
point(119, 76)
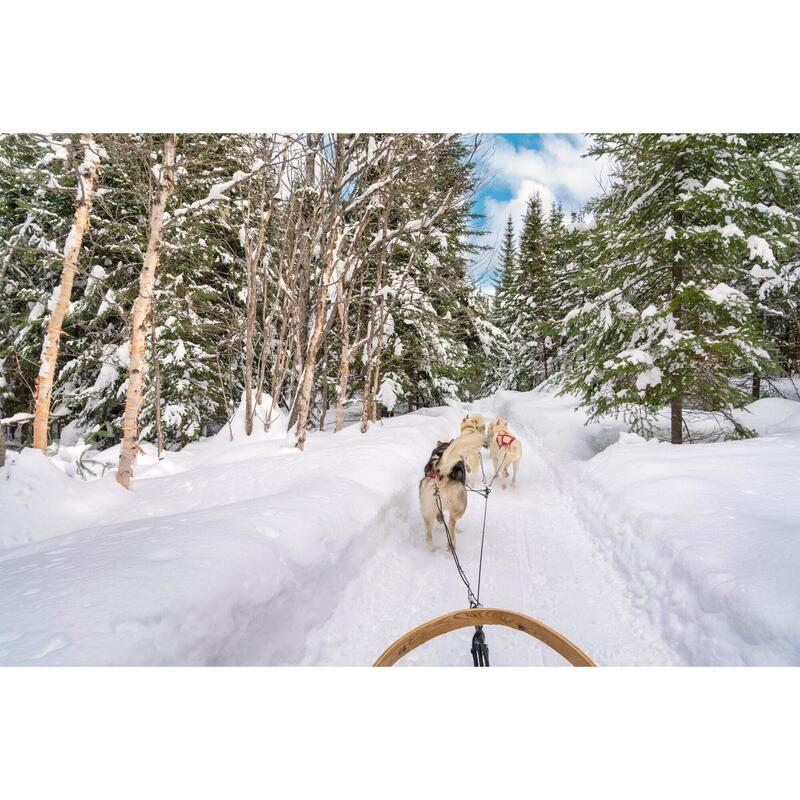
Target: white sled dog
point(506, 450)
point(445, 471)
point(474, 423)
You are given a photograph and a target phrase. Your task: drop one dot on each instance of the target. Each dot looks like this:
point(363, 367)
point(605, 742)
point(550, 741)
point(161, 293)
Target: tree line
point(151, 281)
point(677, 286)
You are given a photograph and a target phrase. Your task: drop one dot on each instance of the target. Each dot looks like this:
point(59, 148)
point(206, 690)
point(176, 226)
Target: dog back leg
point(474, 469)
point(497, 462)
point(514, 479)
point(452, 528)
point(428, 533)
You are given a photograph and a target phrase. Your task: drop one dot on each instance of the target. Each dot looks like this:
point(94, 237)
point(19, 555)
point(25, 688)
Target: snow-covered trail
point(539, 558)
point(248, 553)
point(241, 550)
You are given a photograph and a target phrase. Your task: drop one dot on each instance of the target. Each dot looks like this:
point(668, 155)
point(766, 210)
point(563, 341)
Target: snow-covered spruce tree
point(558, 285)
point(501, 373)
point(569, 291)
point(531, 328)
point(533, 297)
point(506, 284)
point(687, 220)
point(775, 289)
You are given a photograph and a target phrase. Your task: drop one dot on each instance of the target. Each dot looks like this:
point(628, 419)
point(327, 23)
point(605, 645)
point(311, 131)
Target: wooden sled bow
point(465, 618)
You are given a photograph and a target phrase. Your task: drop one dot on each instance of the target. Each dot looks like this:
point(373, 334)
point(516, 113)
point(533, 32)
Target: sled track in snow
point(540, 559)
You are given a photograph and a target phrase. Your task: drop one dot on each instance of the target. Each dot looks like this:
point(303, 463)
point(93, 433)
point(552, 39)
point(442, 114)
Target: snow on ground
point(539, 559)
point(708, 536)
point(248, 552)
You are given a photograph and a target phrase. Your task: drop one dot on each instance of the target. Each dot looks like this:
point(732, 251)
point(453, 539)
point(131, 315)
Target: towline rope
point(479, 650)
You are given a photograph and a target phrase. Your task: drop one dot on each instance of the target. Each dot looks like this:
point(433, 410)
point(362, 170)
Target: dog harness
point(505, 439)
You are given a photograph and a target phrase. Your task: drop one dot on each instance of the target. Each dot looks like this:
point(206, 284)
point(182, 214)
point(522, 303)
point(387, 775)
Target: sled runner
point(467, 617)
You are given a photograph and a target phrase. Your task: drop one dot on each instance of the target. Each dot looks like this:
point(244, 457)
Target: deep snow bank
point(707, 535)
point(222, 553)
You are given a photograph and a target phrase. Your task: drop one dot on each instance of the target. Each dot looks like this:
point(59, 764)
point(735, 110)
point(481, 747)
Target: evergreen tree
point(531, 328)
point(557, 286)
point(501, 373)
point(569, 290)
point(530, 297)
point(507, 283)
point(775, 290)
point(688, 223)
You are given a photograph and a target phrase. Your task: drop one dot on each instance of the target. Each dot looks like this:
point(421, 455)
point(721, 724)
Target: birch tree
point(141, 308)
point(87, 185)
point(330, 258)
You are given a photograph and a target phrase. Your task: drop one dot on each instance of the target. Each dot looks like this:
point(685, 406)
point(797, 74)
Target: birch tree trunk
point(156, 381)
point(307, 380)
point(344, 362)
point(141, 307)
point(366, 405)
point(315, 338)
point(87, 184)
point(324, 409)
point(367, 412)
point(254, 257)
point(249, 334)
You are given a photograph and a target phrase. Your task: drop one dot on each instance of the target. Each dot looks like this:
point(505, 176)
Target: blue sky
point(515, 165)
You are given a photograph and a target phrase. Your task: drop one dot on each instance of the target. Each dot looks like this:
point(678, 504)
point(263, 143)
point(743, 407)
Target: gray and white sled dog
point(506, 450)
point(446, 472)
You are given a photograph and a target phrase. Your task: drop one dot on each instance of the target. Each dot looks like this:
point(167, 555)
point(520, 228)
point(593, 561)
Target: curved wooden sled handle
point(483, 616)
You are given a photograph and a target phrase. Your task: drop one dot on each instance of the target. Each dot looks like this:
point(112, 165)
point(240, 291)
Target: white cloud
point(556, 170)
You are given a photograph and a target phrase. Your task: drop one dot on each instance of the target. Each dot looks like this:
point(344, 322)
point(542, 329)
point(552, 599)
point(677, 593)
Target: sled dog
point(446, 472)
point(506, 450)
point(473, 423)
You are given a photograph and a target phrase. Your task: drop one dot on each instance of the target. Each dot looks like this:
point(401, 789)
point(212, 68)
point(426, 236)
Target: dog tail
point(460, 447)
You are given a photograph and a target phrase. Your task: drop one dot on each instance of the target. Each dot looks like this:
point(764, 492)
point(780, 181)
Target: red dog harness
point(505, 439)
